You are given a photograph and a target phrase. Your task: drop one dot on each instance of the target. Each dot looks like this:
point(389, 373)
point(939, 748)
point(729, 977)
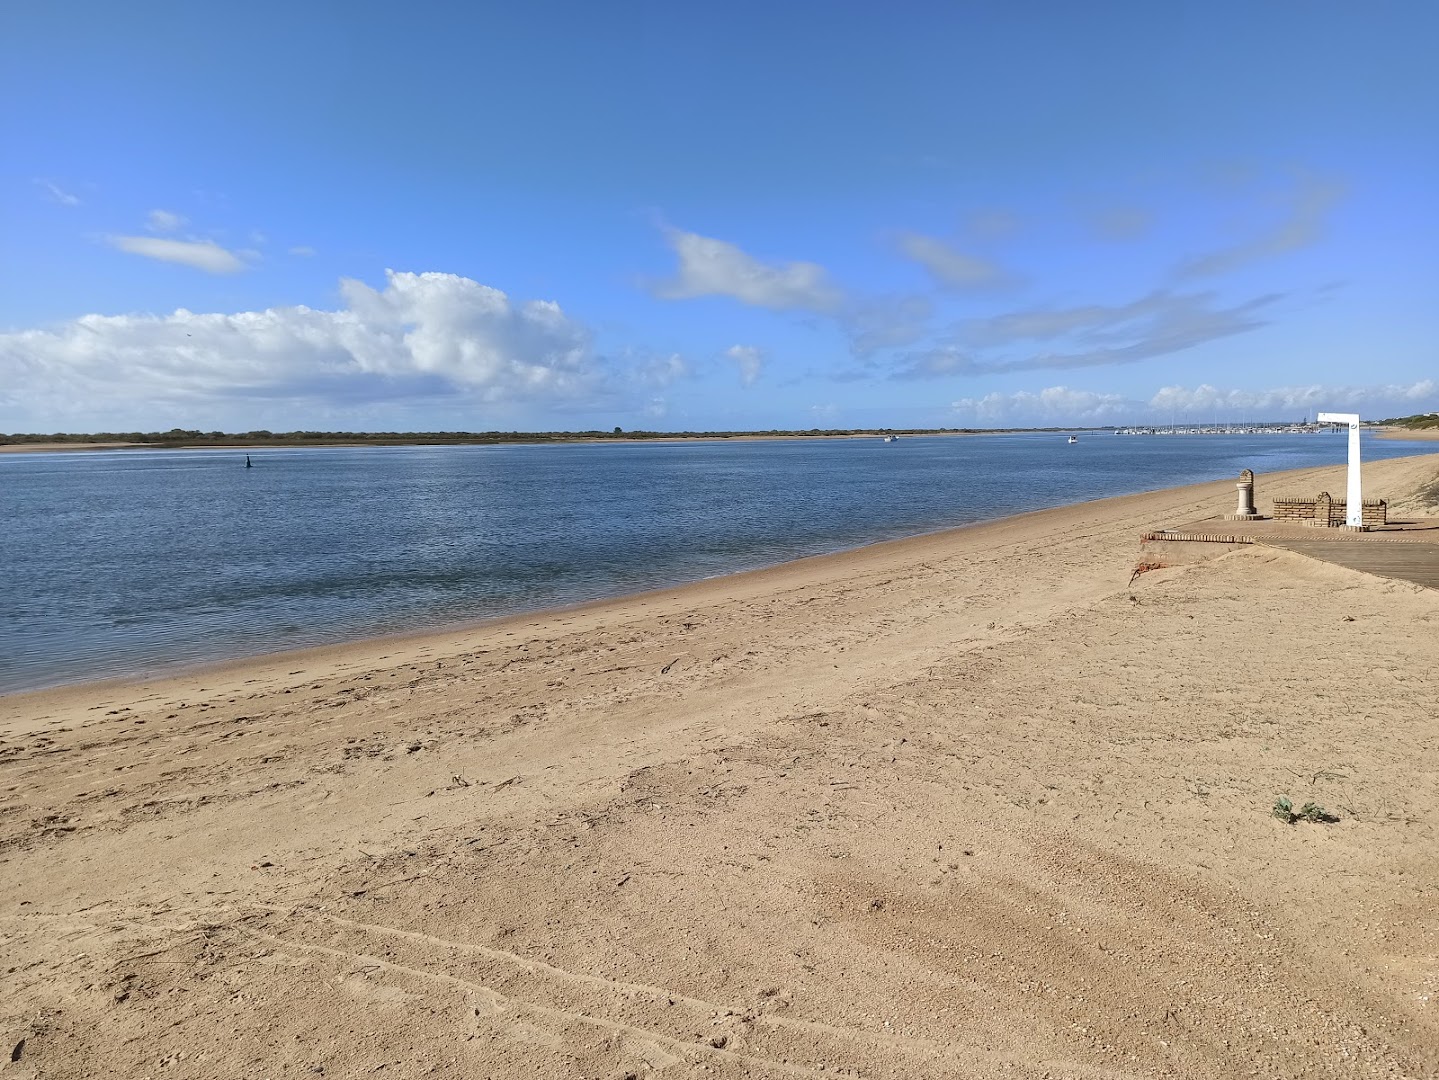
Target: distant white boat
point(1074, 438)
point(891, 438)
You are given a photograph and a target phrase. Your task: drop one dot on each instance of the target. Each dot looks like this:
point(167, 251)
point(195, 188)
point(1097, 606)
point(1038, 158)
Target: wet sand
point(971, 804)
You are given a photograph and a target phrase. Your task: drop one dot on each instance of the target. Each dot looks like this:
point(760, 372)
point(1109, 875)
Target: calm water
point(124, 562)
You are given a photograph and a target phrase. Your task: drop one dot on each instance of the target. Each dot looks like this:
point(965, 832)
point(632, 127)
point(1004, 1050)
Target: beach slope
point(973, 804)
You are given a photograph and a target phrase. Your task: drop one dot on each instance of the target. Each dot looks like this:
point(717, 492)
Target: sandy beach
point(971, 804)
point(54, 447)
point(1411, 434)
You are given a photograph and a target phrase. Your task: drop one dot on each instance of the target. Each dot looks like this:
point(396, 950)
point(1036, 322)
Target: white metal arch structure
point(1354, 505)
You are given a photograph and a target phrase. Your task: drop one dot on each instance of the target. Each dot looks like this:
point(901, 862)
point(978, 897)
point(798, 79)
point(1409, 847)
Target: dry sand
point(47, 447)
point(966, 805)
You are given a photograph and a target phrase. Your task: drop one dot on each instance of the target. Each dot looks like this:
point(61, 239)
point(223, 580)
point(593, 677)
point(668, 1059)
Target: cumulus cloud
point(710, 267)
point(1207, 400)
point(57, 194)
point(1052, 405)
point(163, 221)
point(1306, 209)
point(1089, 336)
point(420, 336)
point(201, 254)
point(750, 361)
point(951, 268)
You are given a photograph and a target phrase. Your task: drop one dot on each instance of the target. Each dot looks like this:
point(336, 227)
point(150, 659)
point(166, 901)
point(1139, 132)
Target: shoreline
point(59, 448)
point(818, 562)
point(20, 448)
point(752, 579)
point(977, 803)
point(756, 578)
point(1409, 434)
point(410, 638)
point(1387, 433)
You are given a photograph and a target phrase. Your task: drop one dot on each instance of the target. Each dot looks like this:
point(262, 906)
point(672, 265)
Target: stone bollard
point(1245, 510)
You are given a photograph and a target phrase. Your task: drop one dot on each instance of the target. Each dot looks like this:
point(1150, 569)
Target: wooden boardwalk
point(1418, 563)
point(1405, 550)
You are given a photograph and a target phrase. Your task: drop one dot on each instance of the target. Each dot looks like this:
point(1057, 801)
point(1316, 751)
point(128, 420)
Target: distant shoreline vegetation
point(1417, 422)
point(181, 437)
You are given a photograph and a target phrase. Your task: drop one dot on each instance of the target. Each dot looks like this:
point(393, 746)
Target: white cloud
point(201, 254)
point(883, 322)
point(661, 370)
point(1052, 405)
point(1092, 324)
point(750, 361)
point(1096, 335)
point(709, 267)
point(1062, 405)
point(164, 221)
point(1306, 209)
point(303, 251)
point(948, 266)
point(58, 194)
point(1205, 400)
point(422, 336)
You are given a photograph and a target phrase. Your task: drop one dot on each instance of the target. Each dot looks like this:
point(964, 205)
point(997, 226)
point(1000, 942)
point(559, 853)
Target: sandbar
point(1410, 434)
point(55, 447)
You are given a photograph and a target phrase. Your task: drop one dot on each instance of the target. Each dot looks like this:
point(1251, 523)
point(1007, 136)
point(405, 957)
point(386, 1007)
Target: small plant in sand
point(1310, 811)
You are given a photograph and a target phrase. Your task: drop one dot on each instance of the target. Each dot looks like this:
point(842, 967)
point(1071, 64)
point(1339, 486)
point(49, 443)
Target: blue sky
point(565, 216)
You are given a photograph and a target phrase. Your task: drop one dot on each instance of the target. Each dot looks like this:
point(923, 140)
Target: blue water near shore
point(129, 562)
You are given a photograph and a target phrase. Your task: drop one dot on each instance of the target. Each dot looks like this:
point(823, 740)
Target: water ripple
point(127, 562)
